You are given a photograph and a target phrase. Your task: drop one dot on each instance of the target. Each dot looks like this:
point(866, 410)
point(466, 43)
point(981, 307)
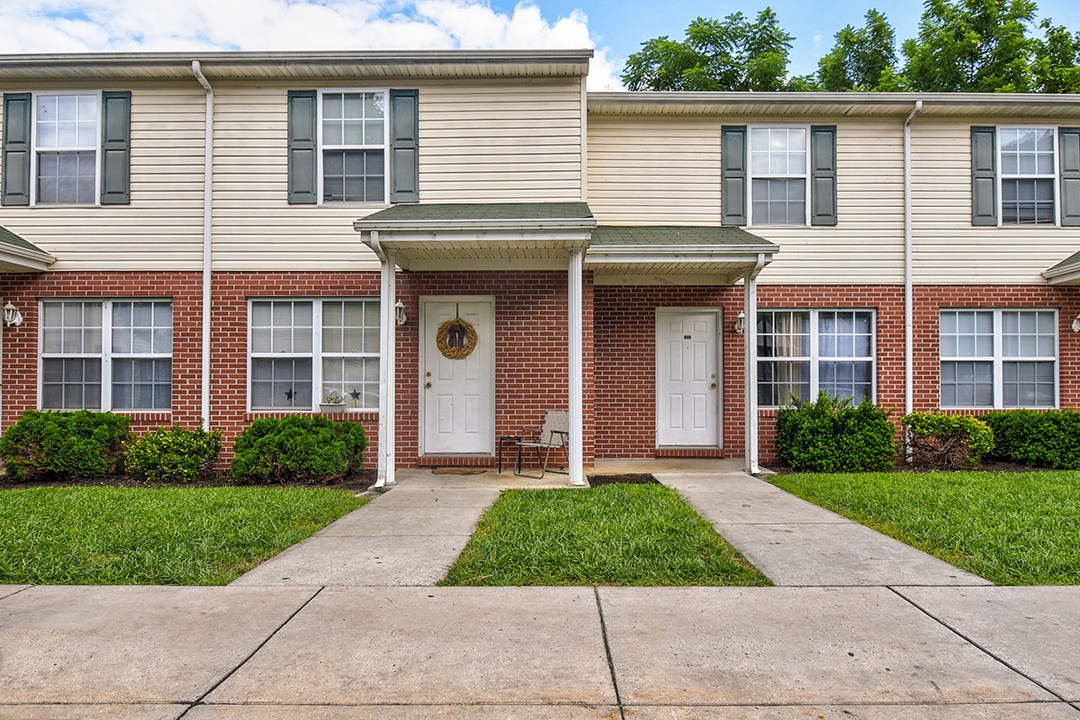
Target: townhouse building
point(457, 242)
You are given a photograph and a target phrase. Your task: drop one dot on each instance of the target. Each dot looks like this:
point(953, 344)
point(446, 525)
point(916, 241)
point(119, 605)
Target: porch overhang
point(19, 255)
point(674, 255)
point(479, 236)
point(1066, 272)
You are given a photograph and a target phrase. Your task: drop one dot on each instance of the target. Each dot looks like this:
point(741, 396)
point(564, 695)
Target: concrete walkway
point(353, 643)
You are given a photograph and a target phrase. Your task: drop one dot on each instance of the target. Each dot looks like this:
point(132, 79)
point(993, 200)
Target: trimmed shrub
point(298, 449)
point(831, 435)
point(1050, 438)
point(947, 442)
point(64, 445)
point(172, 455)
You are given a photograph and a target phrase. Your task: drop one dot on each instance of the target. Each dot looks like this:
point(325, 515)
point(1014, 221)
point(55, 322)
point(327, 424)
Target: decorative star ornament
point(355, 394)
point(289, 394)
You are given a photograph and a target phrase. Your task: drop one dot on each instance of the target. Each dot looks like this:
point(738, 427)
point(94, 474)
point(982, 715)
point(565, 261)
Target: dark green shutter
point(303, 147)
point(115, 148)
point(404, 146)
point(16, 150)
point(1069, 147)
point(822, 174)
point(984, 205)
point(733, 175)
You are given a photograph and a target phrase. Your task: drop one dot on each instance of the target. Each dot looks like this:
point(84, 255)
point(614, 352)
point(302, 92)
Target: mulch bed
point(631, 478)
point(360, 481)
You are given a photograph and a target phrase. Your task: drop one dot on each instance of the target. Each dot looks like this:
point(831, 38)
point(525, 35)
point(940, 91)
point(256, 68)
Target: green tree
point(729, 54)
point(861, 59)
point(972, 46)
point(1057, 60)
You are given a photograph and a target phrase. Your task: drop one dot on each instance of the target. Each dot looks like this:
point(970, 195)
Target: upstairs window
point(778, 175)
point(66, 141)
point(353, 141)
point(1028, 175)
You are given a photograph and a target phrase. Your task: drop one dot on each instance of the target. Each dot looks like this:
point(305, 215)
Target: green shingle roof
point(482, 211)
point(12, 240)
point(675, 235)
point(1071, 262)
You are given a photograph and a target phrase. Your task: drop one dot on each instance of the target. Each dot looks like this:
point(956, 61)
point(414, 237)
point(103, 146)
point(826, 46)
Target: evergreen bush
point(299, 449)
point(64, 445)
point(832, 435)
point(947, 442)
point(172, 455)
point(1049, 438)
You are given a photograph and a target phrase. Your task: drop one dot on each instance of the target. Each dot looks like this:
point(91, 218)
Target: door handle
point(427, 384)
point(712, 387)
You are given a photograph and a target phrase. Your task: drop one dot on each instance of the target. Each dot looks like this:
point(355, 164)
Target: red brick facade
point(530, 347)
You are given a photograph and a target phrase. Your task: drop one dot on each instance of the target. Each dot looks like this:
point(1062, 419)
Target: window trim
point(1002, 177)
point(998, 360)
point(815, 358)
point(35, 150)
point(316, 354)
point(106, 355)
point(750, 175)
point(319, 173)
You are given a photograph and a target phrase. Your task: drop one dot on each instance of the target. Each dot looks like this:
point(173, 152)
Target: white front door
point(687, 382)
point(458, 395)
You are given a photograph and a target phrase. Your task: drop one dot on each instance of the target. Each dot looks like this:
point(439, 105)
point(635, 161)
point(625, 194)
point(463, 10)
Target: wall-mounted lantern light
point(12, 316)
point(399, 313)
point(740, 322)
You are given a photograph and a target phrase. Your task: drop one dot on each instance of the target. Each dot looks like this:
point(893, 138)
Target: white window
point(1028, 175)
point(123, 346)
point(803, 352)
point(303, 349)
point(778, 175)
point(998, 358)
point(66, 140)
point(353, 146)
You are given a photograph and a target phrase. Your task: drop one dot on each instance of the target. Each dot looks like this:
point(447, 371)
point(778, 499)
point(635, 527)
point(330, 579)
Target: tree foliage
point(961, 46)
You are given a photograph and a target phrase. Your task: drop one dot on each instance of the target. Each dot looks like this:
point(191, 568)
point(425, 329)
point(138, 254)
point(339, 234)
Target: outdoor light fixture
point(399, 313)
point(1075, 325)
point(740, 322)
point(12, 316)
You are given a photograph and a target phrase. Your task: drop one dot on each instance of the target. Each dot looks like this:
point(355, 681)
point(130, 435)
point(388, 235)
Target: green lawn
point(1010, 528)
point(612, 535)
point(154, 536)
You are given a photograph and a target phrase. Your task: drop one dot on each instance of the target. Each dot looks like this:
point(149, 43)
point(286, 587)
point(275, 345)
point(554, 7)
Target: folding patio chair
point(554, 434)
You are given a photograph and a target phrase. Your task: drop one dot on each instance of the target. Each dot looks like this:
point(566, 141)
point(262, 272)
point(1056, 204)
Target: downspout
point(208, 191)
point(750, 349)
point(909, 311)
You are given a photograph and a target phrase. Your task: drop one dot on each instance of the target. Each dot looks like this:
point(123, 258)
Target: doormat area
point(457, 471)
point(632, 478)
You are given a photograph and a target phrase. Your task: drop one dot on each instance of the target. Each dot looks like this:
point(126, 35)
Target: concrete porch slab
point(436, 497)
point(1034, 629)
point(744, 499)
point(403, 712)
point(844, 554)
point(132, 644)
point(6, 590)
point(92, 712)
point(382, 521)
point(453, 646)
point(350, 561)
point(1028, 711)
point(794, 646)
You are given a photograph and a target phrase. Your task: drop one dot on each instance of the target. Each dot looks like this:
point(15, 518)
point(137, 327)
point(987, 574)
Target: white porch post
point(577, 462)
point(750, 349)
point(387, 361)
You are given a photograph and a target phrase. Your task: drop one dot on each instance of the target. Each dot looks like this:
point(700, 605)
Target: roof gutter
point(909, 320)
point(208, 217)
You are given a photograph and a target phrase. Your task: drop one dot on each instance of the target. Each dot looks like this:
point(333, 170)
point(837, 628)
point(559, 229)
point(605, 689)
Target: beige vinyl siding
point(162, 227)
point(948, 249)
point(664, 170)
point(479, 142)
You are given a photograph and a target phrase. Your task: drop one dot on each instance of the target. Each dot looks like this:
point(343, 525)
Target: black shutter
point(823, 175)
point(733, 174)
point(1069, 147)
point(303, 147)
point(115, 148)
point(404, 146)
point(984, 204)
point(16, 150)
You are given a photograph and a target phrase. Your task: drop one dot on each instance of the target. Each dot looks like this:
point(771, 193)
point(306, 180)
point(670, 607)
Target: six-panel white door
point(687, 383)
point(458, 395)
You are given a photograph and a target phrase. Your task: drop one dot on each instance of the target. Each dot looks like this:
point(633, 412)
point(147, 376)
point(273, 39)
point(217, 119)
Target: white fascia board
point(458, 226)
point(1068, 275)
point(26, 259)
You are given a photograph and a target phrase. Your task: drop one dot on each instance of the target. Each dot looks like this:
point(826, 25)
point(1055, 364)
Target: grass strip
point(155, 536)
point(1010, 528)
point(643, 535)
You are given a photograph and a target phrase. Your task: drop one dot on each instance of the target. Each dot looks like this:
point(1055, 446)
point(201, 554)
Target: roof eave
point(1068, 275)
point(446, 225)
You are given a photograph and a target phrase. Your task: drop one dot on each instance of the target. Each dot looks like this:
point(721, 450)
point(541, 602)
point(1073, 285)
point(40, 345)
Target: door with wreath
point(457, 375)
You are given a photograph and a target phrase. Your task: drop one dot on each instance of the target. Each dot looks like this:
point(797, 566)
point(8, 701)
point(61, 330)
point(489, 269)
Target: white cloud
point(49, 26)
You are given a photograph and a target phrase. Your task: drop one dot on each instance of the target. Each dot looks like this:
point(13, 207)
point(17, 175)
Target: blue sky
point(615, 28)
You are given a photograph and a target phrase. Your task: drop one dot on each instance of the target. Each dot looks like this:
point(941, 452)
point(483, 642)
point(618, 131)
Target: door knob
point(713, 386)
point(427, 384)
